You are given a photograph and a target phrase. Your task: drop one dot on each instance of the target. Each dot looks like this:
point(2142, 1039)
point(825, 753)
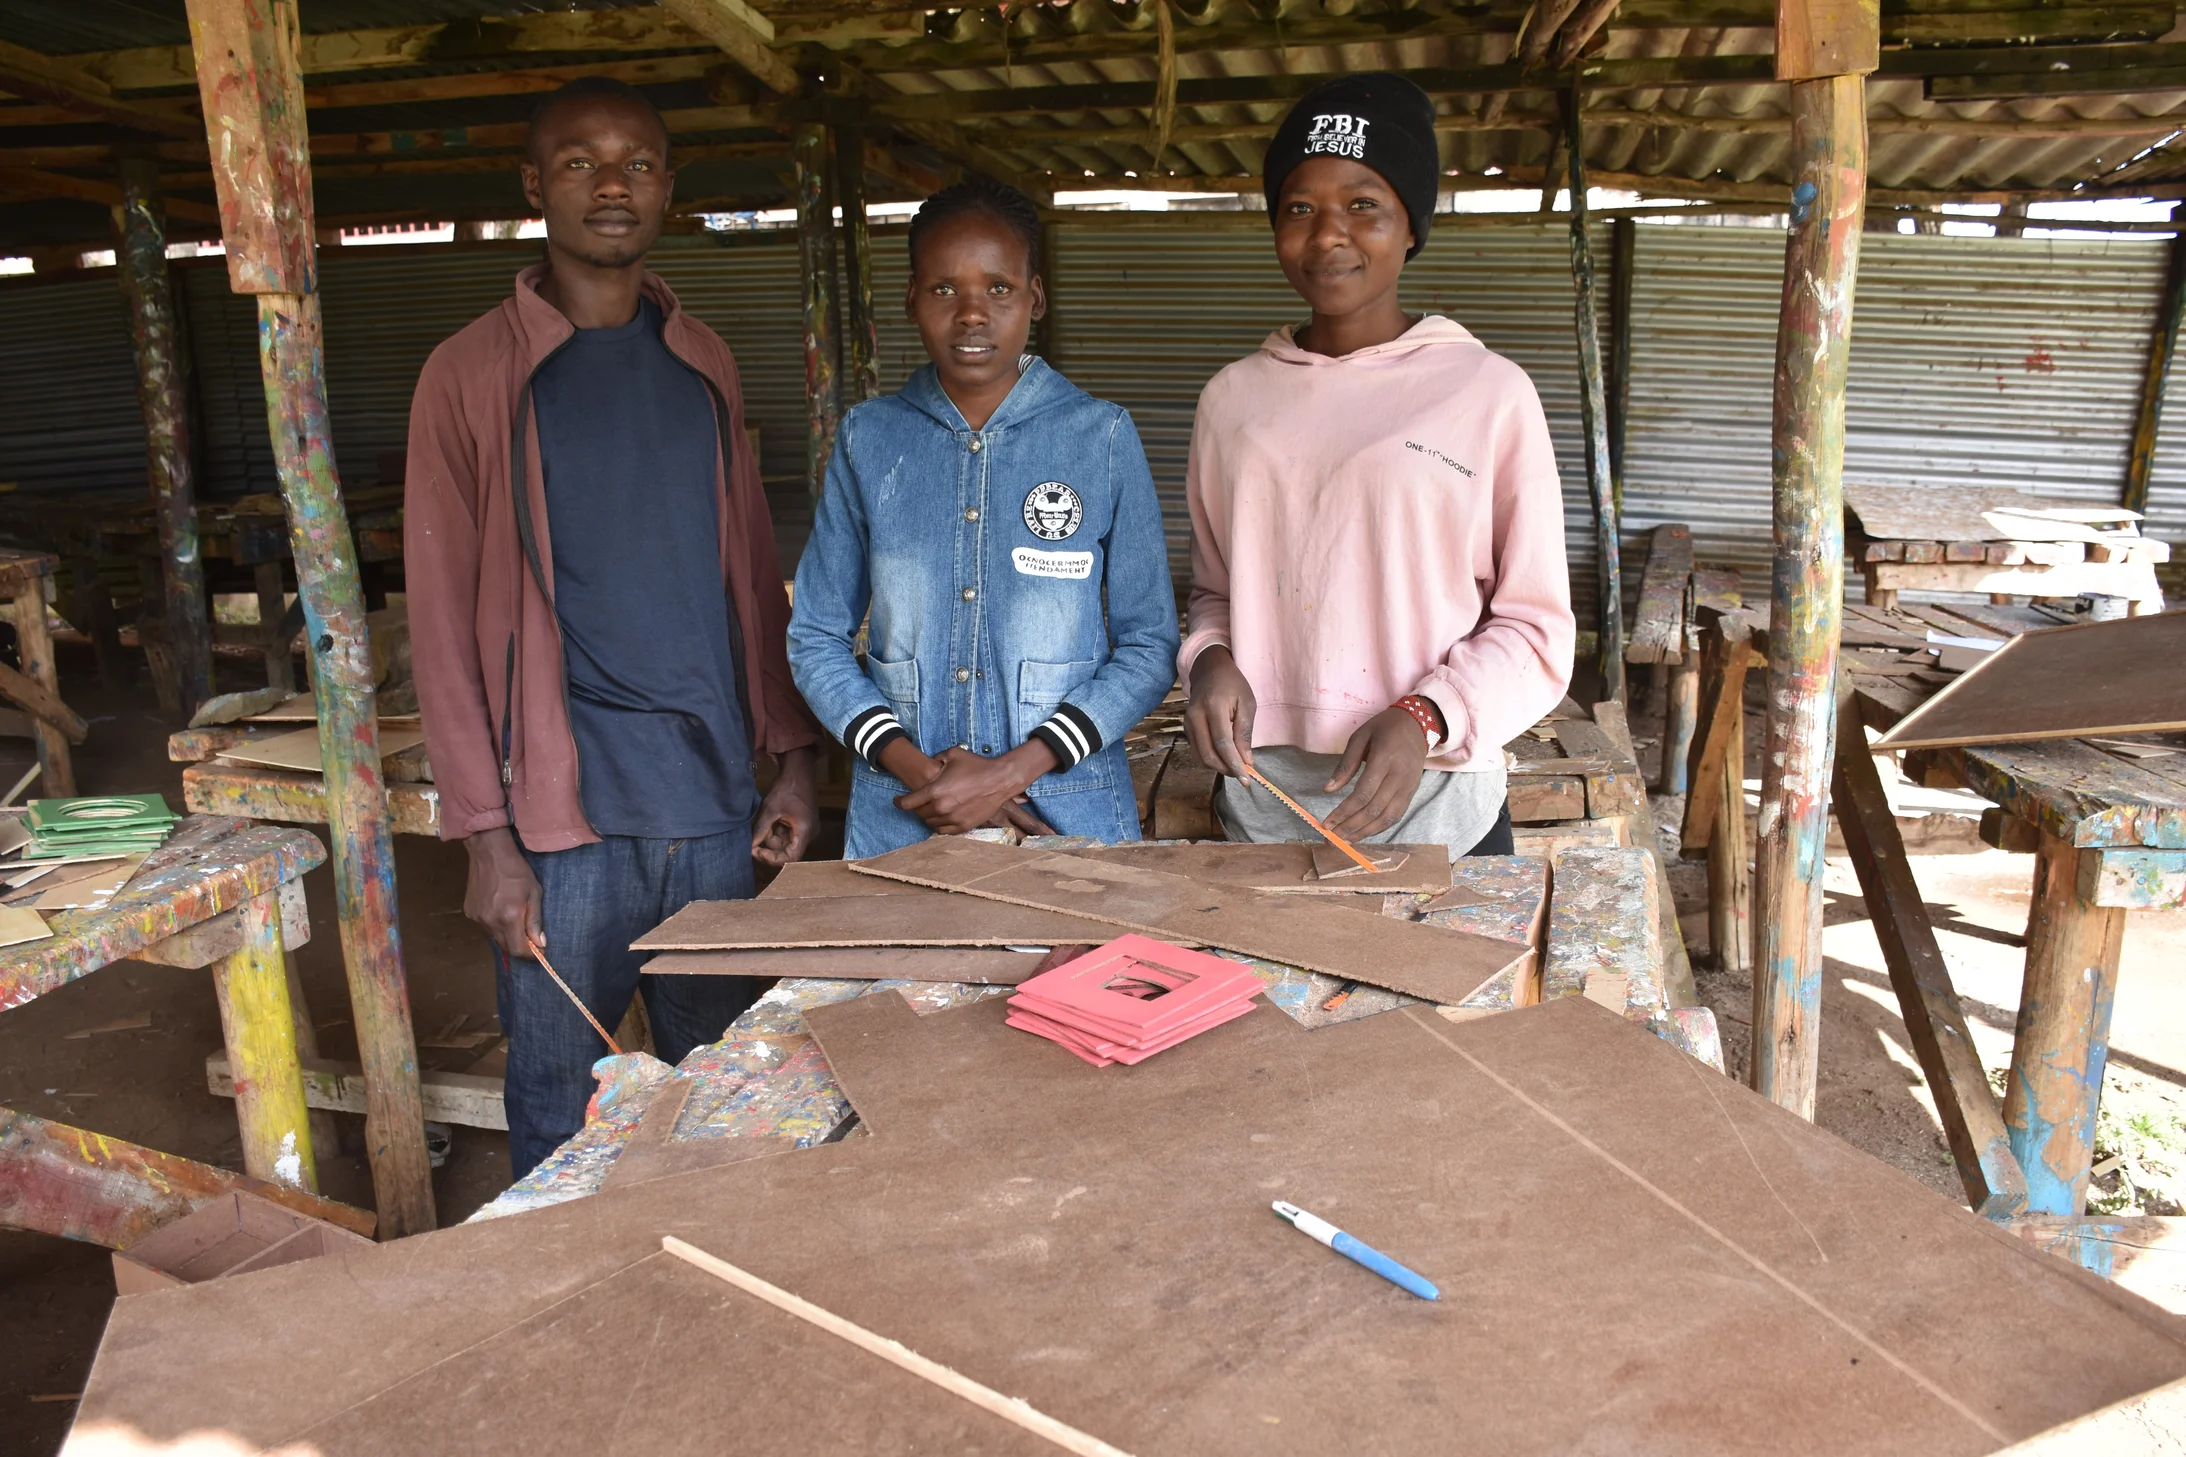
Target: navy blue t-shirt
point(627, 437)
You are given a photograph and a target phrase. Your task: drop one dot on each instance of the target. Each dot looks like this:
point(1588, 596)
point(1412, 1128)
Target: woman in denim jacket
point(1000, 527)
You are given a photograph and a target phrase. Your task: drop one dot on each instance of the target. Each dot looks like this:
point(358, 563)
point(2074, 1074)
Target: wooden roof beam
point(43, 78)
point(36, 182)
point(744, 36)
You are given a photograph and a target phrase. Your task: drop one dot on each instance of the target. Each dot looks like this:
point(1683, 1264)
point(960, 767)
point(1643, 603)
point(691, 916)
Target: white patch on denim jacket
point(1073, 566)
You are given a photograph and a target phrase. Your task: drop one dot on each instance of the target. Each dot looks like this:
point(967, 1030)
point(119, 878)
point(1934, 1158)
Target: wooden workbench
point(2108, 836)
point(220, 893)
point(765, 1086)
point(212, 786)
point(26, 585)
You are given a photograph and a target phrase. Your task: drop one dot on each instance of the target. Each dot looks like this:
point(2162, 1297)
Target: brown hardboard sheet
point(1287, 866)
point(300, 750)
point(2093, 678)
point(1320, 934)
point(652, 1151)
point(1635, 1254)
point(815, 879)
point(975, 965)
point(937, 920)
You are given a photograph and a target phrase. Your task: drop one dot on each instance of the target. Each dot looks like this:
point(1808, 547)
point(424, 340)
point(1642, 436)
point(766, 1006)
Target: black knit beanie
point(1379, 119)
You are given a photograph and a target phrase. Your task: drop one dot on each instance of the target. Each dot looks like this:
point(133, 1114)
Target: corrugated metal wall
point(2012, 360)
point(2016, 361)
point(69, 419)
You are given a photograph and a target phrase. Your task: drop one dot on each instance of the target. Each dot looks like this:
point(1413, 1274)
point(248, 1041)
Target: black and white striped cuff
point(1071, 735)
point(870, 732)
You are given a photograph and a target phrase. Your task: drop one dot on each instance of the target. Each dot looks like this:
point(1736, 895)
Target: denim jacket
point(1018, 587)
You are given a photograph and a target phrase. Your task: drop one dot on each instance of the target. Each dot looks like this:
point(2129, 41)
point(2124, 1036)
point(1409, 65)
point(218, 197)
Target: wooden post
point(34, 646)
point(1821, 258)
point(1934, 1022)
point(2062, 1044)
point(1623, 259)
point(816, 263)
point(252, 984)
point(2155, 382)
point(1680, 708)
point(141, 249)
point(861, 352)
point(1730, 859)
point(251, 83)
point(272, 607)
point(1594, 413)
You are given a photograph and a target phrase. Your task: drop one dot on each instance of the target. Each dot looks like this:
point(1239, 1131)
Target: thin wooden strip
point(1012, 1409)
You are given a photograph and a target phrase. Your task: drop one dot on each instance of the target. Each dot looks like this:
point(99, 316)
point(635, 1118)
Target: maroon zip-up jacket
point(479, 570)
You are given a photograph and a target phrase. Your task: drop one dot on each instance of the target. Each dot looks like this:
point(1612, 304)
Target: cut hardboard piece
point(966, 965)
point(1287, 866)
point(1737, 1279)
point(2066, 682)
point(1418, 960)
point(654, 1152)
point(300, 750)
point(929, 920)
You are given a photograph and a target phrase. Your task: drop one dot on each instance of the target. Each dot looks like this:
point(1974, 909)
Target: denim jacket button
point(975, 445)
point(970, 593)
point(971, 514)
point(963, 675)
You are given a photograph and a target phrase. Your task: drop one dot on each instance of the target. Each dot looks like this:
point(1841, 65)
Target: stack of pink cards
point(1126, 1001)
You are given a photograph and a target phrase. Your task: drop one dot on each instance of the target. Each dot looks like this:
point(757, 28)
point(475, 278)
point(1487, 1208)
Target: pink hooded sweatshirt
point(1377, 525)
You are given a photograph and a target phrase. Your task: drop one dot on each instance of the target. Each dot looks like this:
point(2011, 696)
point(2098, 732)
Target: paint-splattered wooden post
point(1594, 414)
point(1623, 259)
point(1823, 49)
point(861, 340)
point(252, 985)
point(816, 264)
point(2062, 1045)
point(251, 83)
point(2162, 347)
point(141, 250)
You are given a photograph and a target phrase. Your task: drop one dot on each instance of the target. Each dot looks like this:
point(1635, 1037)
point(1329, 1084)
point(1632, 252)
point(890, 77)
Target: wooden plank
point(1613, 789)
point(2134, 580)
point(2133, 879)
point(1934, 1022)
point(298, 750)
point(2093, 678)
point(1725, 657)
point(1717, 589)
point(339, 1087)
point(1605, 932)
point(1658, 626)
point(744, 35)
point(1424, 961)
point(80, 1185)
point(2074, 791)
point(1943, 513)
point(1593, 405)
point(1542, 801)
point(298, 799)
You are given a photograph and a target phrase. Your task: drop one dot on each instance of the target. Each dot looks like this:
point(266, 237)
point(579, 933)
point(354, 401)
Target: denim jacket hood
point(1014, 582)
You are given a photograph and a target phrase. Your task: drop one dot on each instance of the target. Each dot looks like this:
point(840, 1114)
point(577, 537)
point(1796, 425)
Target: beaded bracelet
point(1426, 715)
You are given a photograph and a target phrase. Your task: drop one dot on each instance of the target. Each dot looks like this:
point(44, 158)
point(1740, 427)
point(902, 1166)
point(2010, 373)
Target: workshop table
point(220, 893)
point(2108, 837)
point(214, 786)
point(765, 1087)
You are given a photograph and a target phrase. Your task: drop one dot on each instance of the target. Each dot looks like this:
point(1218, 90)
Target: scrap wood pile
point(272, 728)
point(73, 854)
point(1998, 540)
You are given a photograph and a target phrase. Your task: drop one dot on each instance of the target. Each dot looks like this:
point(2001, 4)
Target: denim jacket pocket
point(898, 683)
point(1040, 688)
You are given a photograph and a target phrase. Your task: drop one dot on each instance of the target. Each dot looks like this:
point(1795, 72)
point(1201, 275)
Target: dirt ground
point(149, 1085)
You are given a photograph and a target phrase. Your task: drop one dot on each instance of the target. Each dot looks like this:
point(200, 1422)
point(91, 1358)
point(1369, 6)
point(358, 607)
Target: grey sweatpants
point(1448, 809)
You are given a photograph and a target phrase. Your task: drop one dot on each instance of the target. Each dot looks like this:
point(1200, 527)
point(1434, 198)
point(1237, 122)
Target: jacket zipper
point(528, 543)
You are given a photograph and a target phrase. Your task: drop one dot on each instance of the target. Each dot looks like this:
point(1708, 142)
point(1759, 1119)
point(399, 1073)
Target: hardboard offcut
point(2064, 682)
point(1287, 866)
point(1429, 962)
point(927, 920)
point(967, 965)
point(300, 750)
point(1732, 1278)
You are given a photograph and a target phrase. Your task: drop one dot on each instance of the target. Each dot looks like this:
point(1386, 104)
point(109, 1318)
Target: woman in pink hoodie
point(1380, 598)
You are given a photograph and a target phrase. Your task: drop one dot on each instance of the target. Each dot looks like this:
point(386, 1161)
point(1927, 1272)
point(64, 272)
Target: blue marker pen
point(1365, 1254)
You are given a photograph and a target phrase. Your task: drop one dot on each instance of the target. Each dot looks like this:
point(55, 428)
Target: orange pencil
point(538, 954)
point(1308, 816)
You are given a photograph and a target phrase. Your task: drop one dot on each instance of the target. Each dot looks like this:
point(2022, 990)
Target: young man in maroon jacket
point(597, 618)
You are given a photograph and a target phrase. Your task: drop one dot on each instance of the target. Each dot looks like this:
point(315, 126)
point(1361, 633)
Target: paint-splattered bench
point(765, 1086)
point(221, 893)
point(2108, 835)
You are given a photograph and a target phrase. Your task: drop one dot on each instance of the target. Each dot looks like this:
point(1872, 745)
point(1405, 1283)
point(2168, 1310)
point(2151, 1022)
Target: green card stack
point(107, 824)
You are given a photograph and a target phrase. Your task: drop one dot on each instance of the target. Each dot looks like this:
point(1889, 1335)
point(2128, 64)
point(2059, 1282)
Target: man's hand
point(502, 894)
point(1219, 716)
point(1387, 755)
point(971, 789)
point(790, 812)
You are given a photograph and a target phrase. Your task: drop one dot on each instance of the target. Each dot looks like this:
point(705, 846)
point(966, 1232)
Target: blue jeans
point(595, 900)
